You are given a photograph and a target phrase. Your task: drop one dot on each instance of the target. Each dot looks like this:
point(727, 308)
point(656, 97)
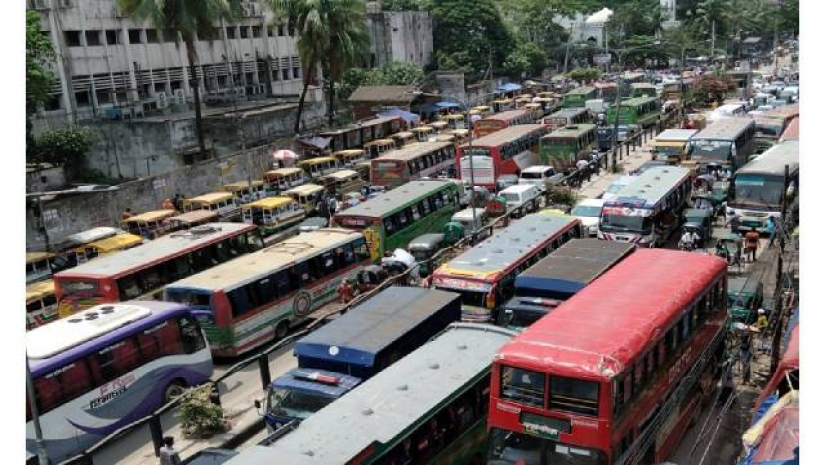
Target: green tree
point(532, 20)
point(789, 16)
point(585, 74)
point(702, 17)
point(187, 18)
point(634, 18)
point(395, 73)
point(352, 79)
point(39, 56)
point(332, 34)
point(401, 5)
point(526, 57)
point(67, 147)
point(469, 34)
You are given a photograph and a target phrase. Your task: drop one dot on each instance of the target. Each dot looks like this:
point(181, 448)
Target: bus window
point(522, 386)
point(575, 395)
point(191, 336)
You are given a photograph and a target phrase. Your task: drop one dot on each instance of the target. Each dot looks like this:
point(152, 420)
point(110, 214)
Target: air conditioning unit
point(163, 102)
point(180, 97)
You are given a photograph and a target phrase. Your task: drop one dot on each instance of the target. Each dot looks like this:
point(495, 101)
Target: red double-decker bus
point(503, 120)
point(614, 374)
point(507, 151)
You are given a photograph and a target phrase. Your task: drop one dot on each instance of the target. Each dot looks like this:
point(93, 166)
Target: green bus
point(565, 146)
point(577, 97)
point(644, 111)
point(430, 407)
point(398, 216)
point(642, 89)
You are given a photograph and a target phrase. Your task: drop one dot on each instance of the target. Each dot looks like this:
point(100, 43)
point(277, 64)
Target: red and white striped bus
point(614, 374)
point(140, 273)
point(507, 151)
point(503, 120)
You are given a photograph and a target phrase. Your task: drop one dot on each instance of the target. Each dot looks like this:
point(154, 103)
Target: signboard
point(544, 427)
point(602, 58)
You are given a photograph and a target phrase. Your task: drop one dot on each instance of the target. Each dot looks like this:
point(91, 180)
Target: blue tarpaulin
point(508, 87)
point(409, 118)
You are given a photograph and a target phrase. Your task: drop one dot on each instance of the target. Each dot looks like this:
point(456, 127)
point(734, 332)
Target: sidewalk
point(598, 184)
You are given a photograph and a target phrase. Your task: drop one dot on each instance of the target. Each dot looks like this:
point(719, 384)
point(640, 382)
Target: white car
point(588, 212)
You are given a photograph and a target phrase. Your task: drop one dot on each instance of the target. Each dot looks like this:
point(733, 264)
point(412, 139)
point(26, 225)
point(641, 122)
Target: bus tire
point(281, 330)
point(175, 389)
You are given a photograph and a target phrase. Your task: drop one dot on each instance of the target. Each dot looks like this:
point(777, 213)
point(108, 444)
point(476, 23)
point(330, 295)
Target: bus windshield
point(715, 150)
point(296, 404)
point(509, 448)
point(625, 223)
point(668, 151)
point(758, 190)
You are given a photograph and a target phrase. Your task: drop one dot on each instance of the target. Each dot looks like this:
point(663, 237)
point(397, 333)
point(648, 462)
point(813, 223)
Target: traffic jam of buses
point(544, 278)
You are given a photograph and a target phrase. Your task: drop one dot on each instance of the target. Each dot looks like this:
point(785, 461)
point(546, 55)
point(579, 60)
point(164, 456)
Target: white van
point(516, 196)
point(465, 217)
point(536, 175)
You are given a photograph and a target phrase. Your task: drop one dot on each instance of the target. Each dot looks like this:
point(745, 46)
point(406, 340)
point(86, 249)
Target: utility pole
point(712, 41)
point(777, 295)
point(567, 51)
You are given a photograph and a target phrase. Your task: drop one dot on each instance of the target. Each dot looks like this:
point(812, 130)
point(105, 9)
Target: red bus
point(140, 273)
point(504, 152)
point(792, 131)
point(503, 120)
point(411, 162)
point(615, 373)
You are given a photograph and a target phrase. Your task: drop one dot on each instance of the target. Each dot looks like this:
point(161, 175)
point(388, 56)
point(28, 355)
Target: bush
point(65, 147)
point(199, 417)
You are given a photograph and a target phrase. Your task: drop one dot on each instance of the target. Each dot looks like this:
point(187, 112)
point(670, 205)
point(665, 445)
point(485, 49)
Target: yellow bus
point(403, 138)
point(482, 110)
point(423, 133)
point(106, 246)
point(41, 304)
point(439, 126)
point(283, 178)
point(317, 167)
point(222, 203)
point(349, 158)
point(342, 182)
point(273, 214)
point(245, 191)
point(189, 220)
point(150, 224)
point(38, 265)
point(379, 146)
point(307, 195)
point(455, 121)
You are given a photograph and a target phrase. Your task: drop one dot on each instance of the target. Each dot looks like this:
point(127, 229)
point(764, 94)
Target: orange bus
point(502, 120)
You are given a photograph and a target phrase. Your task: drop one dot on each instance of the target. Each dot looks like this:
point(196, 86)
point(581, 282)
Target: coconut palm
point(187, 18)
point(331, 33)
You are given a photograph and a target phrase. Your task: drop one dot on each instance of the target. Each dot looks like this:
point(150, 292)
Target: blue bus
point(105, 367)
point(372, 336)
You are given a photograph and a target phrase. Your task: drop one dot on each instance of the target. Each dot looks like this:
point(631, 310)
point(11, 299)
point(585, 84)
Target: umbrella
point(284, 158)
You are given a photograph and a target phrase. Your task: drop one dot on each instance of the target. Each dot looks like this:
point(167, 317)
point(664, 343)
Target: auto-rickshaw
point(745, 296)
point(729, 247)
point(700, 221)
point(720, 191)
point(453, 231)
point(423, 248)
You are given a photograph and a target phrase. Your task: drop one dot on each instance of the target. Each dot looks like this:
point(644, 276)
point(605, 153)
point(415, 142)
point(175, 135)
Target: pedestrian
point(333, 205)
point(167, 205)
point(734, 223)
point(168, 454)
point(177, 201)
point(128, 214)
point(345, 292)
point(770, 228)
point(752, 243)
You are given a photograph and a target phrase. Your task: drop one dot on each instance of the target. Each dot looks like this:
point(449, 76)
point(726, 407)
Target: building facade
point(399, 36)
point(110, 67)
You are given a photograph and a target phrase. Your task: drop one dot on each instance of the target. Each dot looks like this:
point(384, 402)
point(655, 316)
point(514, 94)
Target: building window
point(134, 36)
point(270, 31)
point(244, 32)
point(296, 72)
point(176, 85)
point(93, 38)
point(285, 74)
point(103, 97)
point(222, 81)
point(256, 31)
point(231, 32)
point(82, 98)
point(112, 37)
point(170, 36)
point(151, 36)
point(280, 30)
point(275, 75)
point(72, 38)
point(53, 103)
point(160, 87)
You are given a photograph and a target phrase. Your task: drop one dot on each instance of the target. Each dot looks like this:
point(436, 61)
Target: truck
point(671, 145)
point(339, 356)
point(557, 277)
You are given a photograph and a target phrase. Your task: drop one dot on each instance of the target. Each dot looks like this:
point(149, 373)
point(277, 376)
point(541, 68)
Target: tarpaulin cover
point(409, 118)
point(508, 87)
point(319, 142)
point(779, 438)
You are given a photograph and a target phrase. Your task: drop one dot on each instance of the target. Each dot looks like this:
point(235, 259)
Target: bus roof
point(241, 185)
point(575, 264)
point(270, 202)
point(599, 331)
point(156, 250)
point(725, 128)
point(507, 115)
point(411, 151)
point(51, 346)
point(342, 175)
point(391, 403)
point(119, 242)
point(792, 131)
point(505, 135)
point(316, 161)
point(150, 216)
point(91, 235)
point(636, 101)
point(394, 199)
point(774, 160)
point(676, 135)
point(649, 187)
point(571, 130)
point(37, 256)
point(284, 171)
point(374, 325)
point(642, 85)
point(568, 112)
point(304, 189)
point(195, 216)
point(786, 111)
point(212, 197)
point(359, 125)
point(38, 290)
point(250, 267)
point(581, 90)
point(498, 252)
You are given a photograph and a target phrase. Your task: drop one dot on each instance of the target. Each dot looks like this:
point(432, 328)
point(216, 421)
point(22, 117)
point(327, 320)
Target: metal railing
point(571, 180)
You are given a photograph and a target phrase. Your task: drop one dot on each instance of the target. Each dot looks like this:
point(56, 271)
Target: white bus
point(759, 189)
point(105, 367)
point(647, 211)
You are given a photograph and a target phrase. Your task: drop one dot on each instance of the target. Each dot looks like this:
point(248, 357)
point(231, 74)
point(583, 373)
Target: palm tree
point(187, 18)
point(331, 33)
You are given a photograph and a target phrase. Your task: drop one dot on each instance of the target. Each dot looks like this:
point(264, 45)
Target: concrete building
point(110, 67)
point(399, 36)
point(587, 28)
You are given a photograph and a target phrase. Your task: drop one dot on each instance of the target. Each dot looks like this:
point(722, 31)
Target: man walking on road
point(752, 243)
point(168, 454)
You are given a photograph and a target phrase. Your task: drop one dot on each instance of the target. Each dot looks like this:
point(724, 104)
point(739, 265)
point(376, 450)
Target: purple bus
point(107, 366)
